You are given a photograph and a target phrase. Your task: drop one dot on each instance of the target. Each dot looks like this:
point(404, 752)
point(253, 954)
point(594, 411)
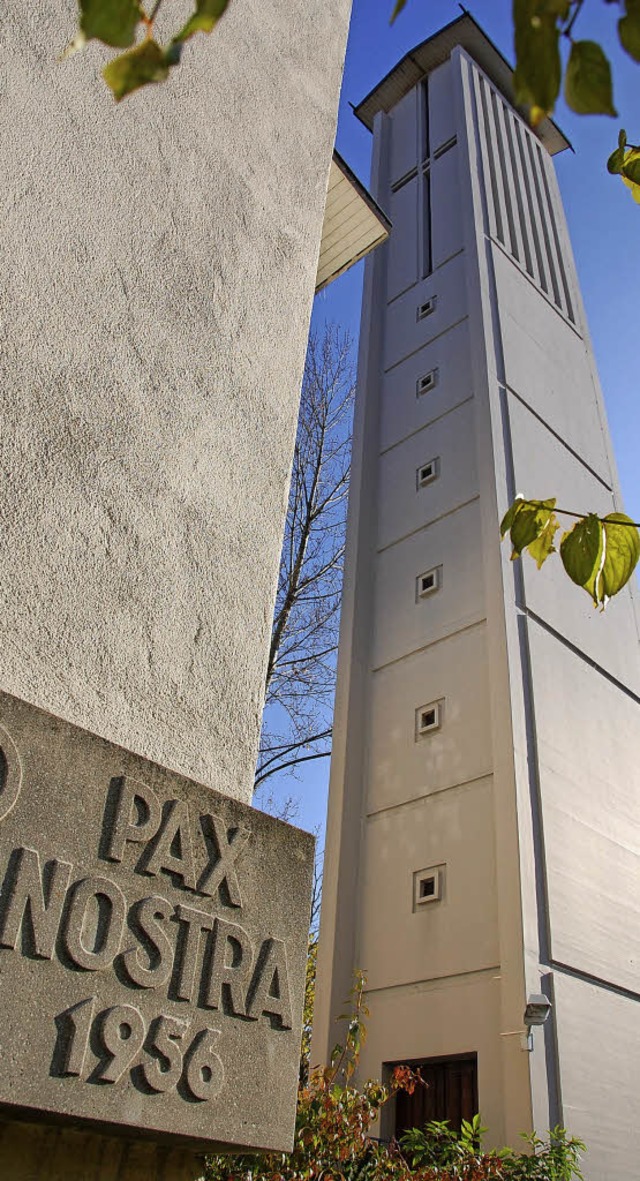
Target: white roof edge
point(353, 223)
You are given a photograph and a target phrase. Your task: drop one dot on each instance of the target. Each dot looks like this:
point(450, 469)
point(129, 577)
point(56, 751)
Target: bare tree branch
point(321, 754)
point(301, 664)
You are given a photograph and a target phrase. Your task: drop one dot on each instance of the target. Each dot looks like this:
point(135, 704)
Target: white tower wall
point(525, 797)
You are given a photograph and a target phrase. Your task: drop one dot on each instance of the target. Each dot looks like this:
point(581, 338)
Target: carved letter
point(131, 822)
point(173, 849)
point(231, 943)
point(10, 773)
point(270, 992)
point(196, 922)
point(24, 889)
point(221, 867)
point(95, 949)
point(143, 918)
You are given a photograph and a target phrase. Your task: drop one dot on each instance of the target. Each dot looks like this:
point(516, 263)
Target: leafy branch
point(598, 553)
point(118, 23)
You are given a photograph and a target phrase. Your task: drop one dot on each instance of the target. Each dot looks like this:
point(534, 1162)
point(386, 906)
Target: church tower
point(483, 840)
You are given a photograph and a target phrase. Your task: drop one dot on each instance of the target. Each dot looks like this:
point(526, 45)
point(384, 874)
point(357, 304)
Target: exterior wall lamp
point(536, 1013)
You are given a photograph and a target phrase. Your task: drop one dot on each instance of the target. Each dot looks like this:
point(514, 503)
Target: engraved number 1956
point(121, 1035)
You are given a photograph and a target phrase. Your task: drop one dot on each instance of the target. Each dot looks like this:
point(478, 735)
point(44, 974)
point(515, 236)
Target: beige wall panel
point(402, 249)
point(589, 736)
point(403, 507)
point(454, 1016)
point(446, 209)
point(404, 621)
point(401, 942)
point(442, 123)
point(402, 768)
point(543, 467)
point(546, 363)
point(403, 137)
point(404, 332)
point(599, 1046)
point(402, 411)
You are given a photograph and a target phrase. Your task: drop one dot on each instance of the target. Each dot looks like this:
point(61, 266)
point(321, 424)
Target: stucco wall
point(159, 262)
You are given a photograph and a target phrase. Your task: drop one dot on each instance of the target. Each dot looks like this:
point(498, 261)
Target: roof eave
point(420, 61)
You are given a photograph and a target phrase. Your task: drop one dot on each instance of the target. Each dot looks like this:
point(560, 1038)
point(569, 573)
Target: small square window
point(427, 472)
point(428, 582)
point(428, 886)
point(427, 382)
point(428, 718)
point(425, 309)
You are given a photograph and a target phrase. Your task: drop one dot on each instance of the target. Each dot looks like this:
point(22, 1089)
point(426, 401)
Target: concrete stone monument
point(159, 261)
point(152, 944)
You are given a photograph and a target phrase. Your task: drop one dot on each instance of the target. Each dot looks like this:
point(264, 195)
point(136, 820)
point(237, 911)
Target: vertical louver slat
point(507, 178)
point(519, 187)
point(489, 204)
point(540, 268)
point(496, 180)
point(543, 222)
point(520, 195)
point(556, 237)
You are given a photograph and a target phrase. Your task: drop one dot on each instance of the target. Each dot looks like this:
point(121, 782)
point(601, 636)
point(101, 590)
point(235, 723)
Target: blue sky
point(604, 223)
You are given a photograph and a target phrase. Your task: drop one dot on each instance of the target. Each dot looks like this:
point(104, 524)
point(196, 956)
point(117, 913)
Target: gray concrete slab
point(153, 940)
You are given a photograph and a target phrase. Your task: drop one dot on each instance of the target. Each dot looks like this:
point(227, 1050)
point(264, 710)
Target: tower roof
point(419, 62)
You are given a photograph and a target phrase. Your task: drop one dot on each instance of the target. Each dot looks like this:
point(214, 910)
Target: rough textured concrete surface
point(156, 284)
point(153, 941)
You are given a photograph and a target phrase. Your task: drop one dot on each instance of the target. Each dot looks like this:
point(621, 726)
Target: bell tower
point(483, 840)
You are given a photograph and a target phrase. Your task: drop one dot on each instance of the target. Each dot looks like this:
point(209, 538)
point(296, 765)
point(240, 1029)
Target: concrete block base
point(31, 1152)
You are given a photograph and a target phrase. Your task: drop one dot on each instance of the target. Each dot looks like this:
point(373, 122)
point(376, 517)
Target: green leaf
point(142, 65)
point(399, 5)
point(629, 29)
point(616, 161)
point(582, 553)
point(205, 17)
point(629, 172)
point(622, 138)
point(631, 167)
point(622, 550)
point(507, 520)
point(587, 82)
point(111, 21)
point(529, 522)
point(537, 74)
point(543, 544)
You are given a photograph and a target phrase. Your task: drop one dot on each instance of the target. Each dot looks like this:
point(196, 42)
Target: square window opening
point(428, 718)
point(428, 886)
point(425, 309)
point(427, 473)
point(426, 383)
point(428, 582)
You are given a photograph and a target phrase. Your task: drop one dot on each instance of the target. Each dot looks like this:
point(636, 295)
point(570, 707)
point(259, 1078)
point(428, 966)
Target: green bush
point(437, 1151)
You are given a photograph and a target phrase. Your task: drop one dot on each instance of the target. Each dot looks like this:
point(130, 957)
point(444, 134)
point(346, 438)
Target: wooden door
point(450, 1093)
